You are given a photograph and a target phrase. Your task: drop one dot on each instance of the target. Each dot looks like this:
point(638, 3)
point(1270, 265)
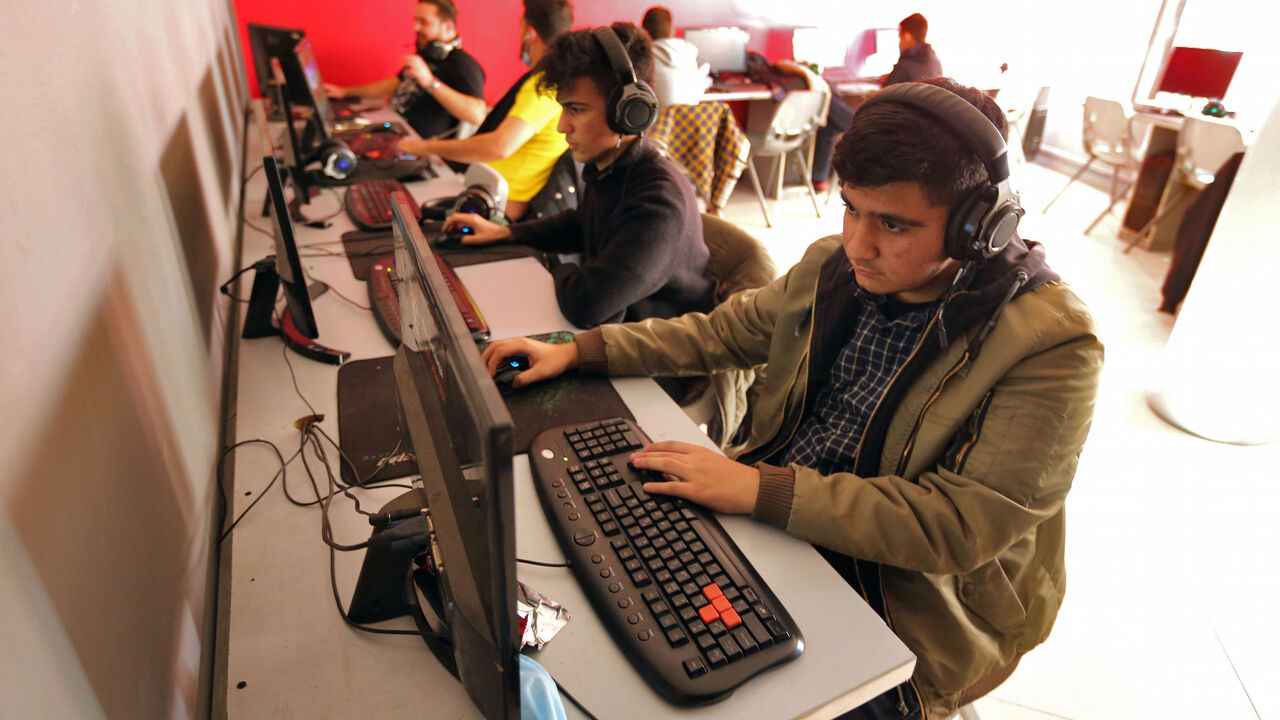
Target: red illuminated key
point(721, 604)
point(730, 618)
point(712, 591)
point(709, 614)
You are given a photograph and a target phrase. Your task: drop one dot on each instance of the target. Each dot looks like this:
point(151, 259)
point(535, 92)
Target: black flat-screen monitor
point(295, 154)
point(297, 324)
point(723, 48)
point(267, 42)
point(319, 102)
point(461, 434)
point(1199, 72)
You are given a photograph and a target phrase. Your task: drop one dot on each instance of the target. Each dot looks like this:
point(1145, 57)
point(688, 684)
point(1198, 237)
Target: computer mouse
point(512, 365)
point(452, 240)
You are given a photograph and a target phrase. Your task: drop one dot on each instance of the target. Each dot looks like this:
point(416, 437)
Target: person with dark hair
point(916, 58)
point(924, 403)
point(916, 61)
point(519, 138)
point(440, 84)
point(678, 79)
point(637, 225)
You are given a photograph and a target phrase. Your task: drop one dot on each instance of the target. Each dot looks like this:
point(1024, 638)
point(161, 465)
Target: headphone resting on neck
point(437, 50)
point(985, 220)
point(632, 107)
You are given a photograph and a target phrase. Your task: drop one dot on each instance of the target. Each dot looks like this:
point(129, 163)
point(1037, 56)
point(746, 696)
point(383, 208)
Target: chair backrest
point(1203, 146)
point(738, 261)
point(1106, 130)
point(796, 117)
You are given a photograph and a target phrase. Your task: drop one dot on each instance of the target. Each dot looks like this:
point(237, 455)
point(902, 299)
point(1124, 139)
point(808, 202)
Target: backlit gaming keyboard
point(386, 303)
point(676, 594)
point(368, 203)
point(375, 145)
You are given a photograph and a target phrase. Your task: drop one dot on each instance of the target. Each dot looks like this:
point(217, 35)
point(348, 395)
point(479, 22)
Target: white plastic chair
point(795, 120)
point(1108, 137)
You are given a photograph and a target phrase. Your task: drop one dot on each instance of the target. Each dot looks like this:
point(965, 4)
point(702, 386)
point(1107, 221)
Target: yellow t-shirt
point(527, 169)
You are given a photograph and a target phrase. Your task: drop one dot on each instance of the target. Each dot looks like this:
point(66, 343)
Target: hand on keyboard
point(701, 475)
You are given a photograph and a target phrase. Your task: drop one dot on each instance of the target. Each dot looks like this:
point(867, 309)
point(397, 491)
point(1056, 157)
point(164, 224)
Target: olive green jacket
point(952, 524)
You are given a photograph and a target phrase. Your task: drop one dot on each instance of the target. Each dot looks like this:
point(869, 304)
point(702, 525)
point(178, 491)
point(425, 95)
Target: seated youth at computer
point(519, 138)
point(916, 61)
point(678, 77)
point(440, 84)
point(637, 225)
point(928, 392)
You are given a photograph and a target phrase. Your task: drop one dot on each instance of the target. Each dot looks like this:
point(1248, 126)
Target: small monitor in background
point(319, 102)
point(297, 324)
point(295, 155)
point(820, 46)
point(1199, 72)
point(723, 48)
point(267, 42)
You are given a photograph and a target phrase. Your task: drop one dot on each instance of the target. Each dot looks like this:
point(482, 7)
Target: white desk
point(747, 92)
point(281, 636)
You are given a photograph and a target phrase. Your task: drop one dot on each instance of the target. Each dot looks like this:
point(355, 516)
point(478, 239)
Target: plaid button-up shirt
point(886, 331)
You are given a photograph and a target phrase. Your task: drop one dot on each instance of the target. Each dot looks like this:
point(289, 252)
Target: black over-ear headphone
point(336, 159)
point(632, 107)
point(985, 220)
point(437, 50)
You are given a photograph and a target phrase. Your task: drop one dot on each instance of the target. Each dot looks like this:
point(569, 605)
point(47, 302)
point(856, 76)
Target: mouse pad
point(369, 418)
point(369, 429)
point(363, 249)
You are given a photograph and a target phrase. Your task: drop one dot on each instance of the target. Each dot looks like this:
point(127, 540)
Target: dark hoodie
point(918, 63)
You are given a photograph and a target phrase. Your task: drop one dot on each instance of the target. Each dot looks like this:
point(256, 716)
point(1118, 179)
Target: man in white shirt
point(678, 79)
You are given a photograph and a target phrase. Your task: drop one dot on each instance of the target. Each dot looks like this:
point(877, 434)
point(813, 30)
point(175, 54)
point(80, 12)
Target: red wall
point(356, 42)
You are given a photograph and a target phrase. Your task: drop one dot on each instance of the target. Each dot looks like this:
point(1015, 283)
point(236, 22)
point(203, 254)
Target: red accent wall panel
point(358, 42)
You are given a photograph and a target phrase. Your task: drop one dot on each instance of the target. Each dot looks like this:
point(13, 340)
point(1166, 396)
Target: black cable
point(225, 288)
point(284, 352)
point(539, 563)
point(218, 475)
point(573, 699)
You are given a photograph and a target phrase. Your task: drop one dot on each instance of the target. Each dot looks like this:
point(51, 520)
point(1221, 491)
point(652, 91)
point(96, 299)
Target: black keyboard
point(385, 301)
point(368, 203)
point(676, 594)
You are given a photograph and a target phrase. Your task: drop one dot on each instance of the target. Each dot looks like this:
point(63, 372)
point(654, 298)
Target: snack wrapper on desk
point(540, 617)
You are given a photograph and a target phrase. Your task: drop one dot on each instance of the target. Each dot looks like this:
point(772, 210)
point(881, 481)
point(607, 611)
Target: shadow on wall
point(190, 216)
point(104, 524)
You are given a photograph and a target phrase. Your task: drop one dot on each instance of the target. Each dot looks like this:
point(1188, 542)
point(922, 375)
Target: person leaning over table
point(921, 417)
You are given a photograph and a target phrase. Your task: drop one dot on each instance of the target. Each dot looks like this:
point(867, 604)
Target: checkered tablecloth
point(707, 142)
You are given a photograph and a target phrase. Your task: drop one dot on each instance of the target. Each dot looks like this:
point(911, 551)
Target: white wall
point(122, 129)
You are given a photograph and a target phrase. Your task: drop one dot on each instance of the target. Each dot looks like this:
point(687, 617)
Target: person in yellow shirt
point(519, 137)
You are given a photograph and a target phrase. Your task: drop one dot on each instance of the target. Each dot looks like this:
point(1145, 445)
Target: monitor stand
point(392, 581)
point(258, 320)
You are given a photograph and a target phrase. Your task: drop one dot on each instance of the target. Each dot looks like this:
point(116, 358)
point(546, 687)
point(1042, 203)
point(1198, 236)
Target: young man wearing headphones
point(440, 84)
point(519, 138)
point(637, 225)
point(929, 388)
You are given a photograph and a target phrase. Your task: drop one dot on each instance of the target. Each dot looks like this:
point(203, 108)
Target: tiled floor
point(1171, 556)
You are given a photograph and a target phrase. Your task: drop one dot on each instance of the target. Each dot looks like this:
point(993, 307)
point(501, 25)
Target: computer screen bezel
point(304, 56)
point(288, 263)
point(434, 379)
point(295, 155)
point(1199, 72)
